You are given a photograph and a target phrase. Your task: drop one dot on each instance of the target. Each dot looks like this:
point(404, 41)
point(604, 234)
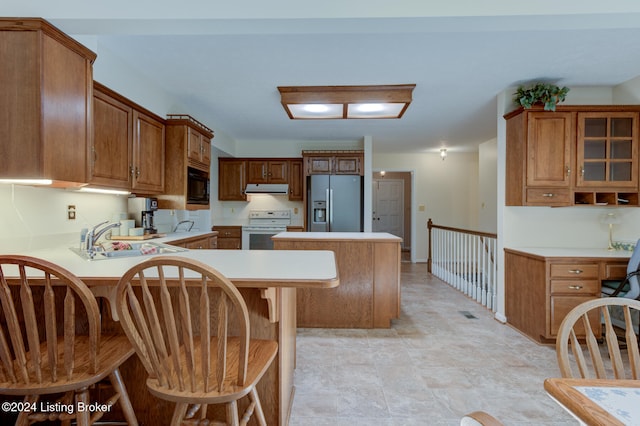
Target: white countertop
point(573, 252)
point(300, 268)
point(337, 236)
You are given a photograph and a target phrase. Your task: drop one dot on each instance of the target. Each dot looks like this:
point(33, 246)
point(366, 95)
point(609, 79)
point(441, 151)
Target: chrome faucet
point(94, 234)
point(191, 222)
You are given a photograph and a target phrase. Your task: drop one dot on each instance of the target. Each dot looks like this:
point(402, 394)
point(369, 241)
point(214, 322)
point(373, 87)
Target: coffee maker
point(142, 210)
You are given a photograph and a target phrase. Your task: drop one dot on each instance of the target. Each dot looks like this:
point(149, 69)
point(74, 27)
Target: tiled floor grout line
point(434, 364)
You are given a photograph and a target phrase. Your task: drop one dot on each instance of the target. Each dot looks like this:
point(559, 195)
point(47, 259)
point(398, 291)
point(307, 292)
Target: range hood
point(267, 188)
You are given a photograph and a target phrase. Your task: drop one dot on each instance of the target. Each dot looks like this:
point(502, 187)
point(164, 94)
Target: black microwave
point(197, 186)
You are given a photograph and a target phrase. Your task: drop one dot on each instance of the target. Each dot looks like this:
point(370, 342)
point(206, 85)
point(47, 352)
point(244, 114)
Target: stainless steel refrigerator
point(334, 203)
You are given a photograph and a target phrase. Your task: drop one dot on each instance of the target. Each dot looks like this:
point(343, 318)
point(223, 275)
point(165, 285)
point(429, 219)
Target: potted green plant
point(547, 94)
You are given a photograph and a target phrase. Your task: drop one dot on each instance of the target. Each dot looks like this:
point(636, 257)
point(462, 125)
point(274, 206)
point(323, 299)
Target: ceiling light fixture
point(443, 153)
point(344, 102)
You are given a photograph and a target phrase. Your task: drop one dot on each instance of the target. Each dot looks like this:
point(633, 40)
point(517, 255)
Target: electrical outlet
point(71, 212)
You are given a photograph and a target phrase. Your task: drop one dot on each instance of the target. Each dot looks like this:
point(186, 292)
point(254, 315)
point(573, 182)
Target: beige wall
point(447, 189)
point(488, 186)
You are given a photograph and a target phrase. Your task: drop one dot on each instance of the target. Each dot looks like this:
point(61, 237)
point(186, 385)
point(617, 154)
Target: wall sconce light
point(382, 173)
point(346, 102)
point(610, 219)
point(443, 153)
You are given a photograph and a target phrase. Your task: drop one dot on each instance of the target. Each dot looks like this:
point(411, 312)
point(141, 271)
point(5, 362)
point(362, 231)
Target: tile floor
point(431, 367)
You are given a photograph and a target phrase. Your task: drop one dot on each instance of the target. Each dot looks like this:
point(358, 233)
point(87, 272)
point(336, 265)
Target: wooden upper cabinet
point(109, 163)
point(148, 154)
point(231, 179)
point(296, 180)
point(322, 165)
point(577, 155)
point(199, 147)
point(188, 145)
point(607, 150)
point(127, 149)
point(539, 158)
point(549, 141)
point(333, 162)
point(267, 171)
point(46, 86)
point(348, 165)
point(206, 151)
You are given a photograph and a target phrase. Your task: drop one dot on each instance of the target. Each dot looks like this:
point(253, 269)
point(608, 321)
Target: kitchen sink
point(128, 250)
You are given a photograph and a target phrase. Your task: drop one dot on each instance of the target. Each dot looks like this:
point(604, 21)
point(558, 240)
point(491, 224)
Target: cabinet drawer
point(548, 196)
point(228, 232)
point(229, 243)
point(560, 307)
point(574, 270)
point(577, 287)
point(202, 243)
point(614, 271)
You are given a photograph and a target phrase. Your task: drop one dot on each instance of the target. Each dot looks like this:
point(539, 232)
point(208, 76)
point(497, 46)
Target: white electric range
point(263, 224)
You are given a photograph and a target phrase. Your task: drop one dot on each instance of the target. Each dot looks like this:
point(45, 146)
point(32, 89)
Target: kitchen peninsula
point(369, 268)
point(267, 281)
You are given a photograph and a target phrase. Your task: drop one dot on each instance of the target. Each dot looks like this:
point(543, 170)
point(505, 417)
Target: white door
point(388, 206)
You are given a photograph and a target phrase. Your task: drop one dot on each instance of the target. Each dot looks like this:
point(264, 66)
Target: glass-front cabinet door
point(607, 150)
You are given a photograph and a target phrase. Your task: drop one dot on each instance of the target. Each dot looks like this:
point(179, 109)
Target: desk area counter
point(543, 284)
point(369, 269)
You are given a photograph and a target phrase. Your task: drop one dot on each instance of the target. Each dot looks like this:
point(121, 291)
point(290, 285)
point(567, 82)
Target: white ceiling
point(224, 60)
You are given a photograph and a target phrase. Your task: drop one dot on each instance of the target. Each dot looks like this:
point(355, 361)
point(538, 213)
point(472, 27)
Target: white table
point(598, 401)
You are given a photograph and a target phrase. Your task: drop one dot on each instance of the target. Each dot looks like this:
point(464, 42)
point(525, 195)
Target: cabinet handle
point(575, 271)
point(548, 194)
point(575, 287)
point(582, 171)
point(568, 171)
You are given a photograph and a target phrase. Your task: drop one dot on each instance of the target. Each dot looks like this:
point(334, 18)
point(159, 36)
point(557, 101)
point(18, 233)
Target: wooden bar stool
point(190, 328)
point(50, 342)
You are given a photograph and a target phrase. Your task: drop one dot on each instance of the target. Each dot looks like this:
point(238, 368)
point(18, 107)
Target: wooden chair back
point(36, 353)
point(479, 418)
point(590, 359)
point(165, 313)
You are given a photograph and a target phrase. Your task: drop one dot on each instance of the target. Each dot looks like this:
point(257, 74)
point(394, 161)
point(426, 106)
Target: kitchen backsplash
point(166, 220)
point(35, 217)
point(237, 212)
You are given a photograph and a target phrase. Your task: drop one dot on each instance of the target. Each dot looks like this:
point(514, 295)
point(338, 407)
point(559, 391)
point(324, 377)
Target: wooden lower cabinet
point(201, 242)
point(540, 291)
point(229, 237)
point(369, 292)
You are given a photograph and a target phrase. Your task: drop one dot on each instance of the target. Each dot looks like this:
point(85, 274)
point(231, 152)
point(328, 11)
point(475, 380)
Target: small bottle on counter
point(83, 238)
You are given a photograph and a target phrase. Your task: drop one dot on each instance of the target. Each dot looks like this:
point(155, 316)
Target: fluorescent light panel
point(103, 190)
point(27, 181)
point(346, 102)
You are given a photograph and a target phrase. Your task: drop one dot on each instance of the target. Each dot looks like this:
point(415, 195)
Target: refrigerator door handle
point(330, 208)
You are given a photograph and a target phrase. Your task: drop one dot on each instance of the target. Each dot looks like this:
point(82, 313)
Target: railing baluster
point(466, 260)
